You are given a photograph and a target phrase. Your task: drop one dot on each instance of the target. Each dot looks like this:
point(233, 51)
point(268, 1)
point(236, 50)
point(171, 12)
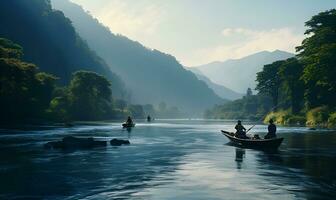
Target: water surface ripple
point(167, 159)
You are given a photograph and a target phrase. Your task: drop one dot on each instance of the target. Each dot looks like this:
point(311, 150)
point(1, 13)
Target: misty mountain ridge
point(220, 90)
point(239, 74)
point(151, 76)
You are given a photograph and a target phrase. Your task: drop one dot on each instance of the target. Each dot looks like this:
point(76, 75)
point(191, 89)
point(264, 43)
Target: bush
point(285, 117)
point(318, 116)
point(278, 117)
point(295, 119)
point(332, 120)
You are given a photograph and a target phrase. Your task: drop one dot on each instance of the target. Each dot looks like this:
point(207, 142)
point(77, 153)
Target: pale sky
point(201, 31)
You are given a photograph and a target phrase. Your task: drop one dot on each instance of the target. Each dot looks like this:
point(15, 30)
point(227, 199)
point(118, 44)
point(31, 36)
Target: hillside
point(50, 41)
point(152, 76)
point(220, 90)
point(239, 74)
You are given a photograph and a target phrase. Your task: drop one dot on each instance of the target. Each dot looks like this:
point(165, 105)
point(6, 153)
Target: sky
point(198, 32)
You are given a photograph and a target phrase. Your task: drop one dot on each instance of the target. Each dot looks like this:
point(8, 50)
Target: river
point(167, 159)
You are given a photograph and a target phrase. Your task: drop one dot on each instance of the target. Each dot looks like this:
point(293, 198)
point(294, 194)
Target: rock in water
point(117, 142)
point(70, 142)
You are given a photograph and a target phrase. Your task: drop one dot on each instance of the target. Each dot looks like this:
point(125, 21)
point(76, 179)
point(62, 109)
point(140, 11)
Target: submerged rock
point(70, 142)
point(117, 142)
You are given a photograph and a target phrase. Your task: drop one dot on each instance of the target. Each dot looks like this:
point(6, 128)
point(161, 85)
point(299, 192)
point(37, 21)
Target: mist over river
point(167, 159)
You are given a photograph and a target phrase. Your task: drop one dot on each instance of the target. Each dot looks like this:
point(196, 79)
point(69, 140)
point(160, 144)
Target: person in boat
point(240, 130)
point(129, 120)
point(271, 130)
point(149, 118)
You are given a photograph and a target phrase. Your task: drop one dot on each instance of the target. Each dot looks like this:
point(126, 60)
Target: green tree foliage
point(318, 54)
point(25, 93)
point(90, 96)
point(269, 81)
point(290, 72)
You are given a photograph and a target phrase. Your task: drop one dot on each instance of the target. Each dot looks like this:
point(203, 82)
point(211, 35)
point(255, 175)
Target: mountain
point(220, 90)
point(152, 76)
point(50, 41)
point(239, 74)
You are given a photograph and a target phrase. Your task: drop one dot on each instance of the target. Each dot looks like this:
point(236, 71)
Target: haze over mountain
point(220, 90)
point(50, 41)
point(152, 76)
point(240, 74)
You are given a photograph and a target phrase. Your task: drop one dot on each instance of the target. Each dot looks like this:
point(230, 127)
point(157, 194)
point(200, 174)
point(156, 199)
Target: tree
point(269, 81)
point(318, 54)
point(90, 96)
point(25, 92)
point(291, 71)
point(249, 92)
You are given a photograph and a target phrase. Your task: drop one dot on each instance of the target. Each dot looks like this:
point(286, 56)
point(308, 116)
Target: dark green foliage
point(89, 96)
point(50, 41)
point(269, 81)
point(290, 72)
point(25, 93)
point(28, 95)
point(318, 54)
point(8, 49)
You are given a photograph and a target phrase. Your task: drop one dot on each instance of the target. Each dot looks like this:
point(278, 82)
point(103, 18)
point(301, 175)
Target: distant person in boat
point(149, 118)
point(129, 120)
point(240, 130)
point(271, 130)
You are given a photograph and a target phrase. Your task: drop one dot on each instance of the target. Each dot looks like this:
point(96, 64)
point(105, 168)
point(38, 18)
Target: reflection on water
point(240, 154)
point(167, 160)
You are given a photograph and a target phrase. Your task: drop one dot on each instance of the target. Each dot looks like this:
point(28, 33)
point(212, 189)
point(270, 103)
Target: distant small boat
point(273, 143)
point(126, 125)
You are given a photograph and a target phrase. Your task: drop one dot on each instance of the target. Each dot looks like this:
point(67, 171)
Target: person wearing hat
point(271, 130)
point(240, 130)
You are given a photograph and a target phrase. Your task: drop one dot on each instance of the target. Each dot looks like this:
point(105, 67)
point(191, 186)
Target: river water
point(167, 159)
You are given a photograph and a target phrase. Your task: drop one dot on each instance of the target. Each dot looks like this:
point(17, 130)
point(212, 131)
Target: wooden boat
point(273, 143)
point(126, 125)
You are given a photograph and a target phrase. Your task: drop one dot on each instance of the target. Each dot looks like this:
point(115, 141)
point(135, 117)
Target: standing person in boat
point(129, 120)
point(149, 118)
point(240, 130)
point(271, 130)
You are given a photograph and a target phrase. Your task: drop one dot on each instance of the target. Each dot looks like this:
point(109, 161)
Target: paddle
point(250, 128)
point(260, 120)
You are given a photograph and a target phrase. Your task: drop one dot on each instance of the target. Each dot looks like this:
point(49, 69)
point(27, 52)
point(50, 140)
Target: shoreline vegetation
point(297, 91)
point(30, 96)
point(322, 117)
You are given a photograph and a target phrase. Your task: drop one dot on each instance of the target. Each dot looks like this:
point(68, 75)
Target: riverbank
point(317, 117)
